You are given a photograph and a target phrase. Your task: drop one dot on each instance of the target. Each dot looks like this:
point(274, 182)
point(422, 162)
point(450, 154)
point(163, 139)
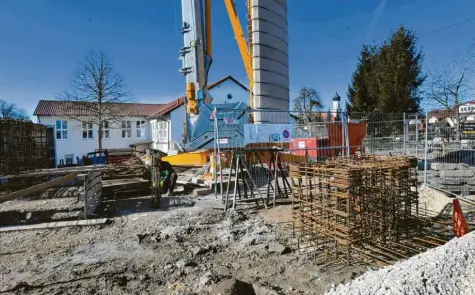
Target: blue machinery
point(196, 56)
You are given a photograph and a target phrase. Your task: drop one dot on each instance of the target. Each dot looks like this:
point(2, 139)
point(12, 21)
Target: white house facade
point(159, 124)
point(74, 137)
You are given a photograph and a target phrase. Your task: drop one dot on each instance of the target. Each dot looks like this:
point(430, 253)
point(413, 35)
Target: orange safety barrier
point(356, 135)
point(460, 224)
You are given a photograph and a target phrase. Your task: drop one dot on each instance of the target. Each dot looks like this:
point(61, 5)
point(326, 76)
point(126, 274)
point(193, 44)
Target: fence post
point(425, 149)
point(404, 131)
point(214, 162)
point(417, 135)
point(216, 127)
point(371, 132)
point(347, 137)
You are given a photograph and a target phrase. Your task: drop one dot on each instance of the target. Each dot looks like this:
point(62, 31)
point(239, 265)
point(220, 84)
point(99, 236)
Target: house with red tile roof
point(158, 125)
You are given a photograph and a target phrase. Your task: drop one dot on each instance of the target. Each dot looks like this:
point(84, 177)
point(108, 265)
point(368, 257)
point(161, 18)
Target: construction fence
point(444, 146)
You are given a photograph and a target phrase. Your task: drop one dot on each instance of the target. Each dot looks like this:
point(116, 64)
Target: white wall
point(177, 118)
point(78, 146)
point(220, 93)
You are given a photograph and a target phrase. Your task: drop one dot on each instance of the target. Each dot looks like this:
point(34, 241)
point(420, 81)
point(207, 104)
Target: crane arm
point(208, 30)
point(244, 47)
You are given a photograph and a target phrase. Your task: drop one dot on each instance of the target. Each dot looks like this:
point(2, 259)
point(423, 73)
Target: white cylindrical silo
point(270, 62)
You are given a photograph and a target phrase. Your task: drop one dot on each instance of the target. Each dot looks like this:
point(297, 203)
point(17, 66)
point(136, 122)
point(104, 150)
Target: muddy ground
point(189, 247)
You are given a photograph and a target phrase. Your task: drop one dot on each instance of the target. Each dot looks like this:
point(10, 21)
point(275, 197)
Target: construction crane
point(197, 58)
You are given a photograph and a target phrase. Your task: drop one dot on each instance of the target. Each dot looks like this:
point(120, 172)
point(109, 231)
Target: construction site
point(265, 200)
point(274, 220)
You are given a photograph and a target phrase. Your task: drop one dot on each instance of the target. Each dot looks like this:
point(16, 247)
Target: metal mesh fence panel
point(443, 146)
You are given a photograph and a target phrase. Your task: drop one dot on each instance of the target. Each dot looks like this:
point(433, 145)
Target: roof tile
point(71, 108)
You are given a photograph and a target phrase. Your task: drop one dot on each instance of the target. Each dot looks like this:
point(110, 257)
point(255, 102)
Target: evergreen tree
point(388, 78)
point(360, 98)
point(328, 116)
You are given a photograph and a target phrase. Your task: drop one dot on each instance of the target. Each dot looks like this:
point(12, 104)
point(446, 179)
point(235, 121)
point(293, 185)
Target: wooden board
point(55, 225)
point(37, 188)
point(92, 192)
point(61, 171)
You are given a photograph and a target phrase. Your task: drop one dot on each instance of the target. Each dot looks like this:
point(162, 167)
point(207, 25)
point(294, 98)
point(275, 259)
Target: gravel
point(449, 269)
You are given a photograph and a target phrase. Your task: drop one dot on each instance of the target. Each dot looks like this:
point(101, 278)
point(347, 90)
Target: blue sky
point(42, 41)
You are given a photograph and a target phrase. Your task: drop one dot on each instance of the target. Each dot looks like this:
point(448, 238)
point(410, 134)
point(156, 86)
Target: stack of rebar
point(23, 147)
point(365, 200)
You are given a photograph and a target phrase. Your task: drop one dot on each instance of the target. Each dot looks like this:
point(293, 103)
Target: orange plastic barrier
point(356, 135)
point(460, 224)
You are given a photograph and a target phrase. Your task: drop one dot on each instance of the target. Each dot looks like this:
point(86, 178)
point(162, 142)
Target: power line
point(449, 26)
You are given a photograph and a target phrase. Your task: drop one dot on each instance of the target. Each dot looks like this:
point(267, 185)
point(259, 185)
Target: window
point(105, 130)
point(162, 130)
point(87, 132)
point(126, 129)
point(140, 128)
point(154, 130)
point(61, 129)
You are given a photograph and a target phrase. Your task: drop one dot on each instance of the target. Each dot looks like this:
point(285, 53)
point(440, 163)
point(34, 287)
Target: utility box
point(313, 147)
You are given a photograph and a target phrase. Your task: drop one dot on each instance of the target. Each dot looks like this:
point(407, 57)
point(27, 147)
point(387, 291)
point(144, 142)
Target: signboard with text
point(468, 129)
point(262, 133)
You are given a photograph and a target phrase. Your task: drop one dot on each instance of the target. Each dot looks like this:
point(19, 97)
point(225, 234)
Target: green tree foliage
point(388, 78)
point(328, 116)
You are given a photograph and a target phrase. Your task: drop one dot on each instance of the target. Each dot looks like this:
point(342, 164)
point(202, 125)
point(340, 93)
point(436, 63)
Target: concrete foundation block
point(456, 173)
point(443, 166)
point(450, 181)
point(463, 166)
point(202, 191)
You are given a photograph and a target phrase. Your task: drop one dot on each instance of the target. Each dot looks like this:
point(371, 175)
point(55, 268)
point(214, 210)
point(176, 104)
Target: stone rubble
point(448, 269)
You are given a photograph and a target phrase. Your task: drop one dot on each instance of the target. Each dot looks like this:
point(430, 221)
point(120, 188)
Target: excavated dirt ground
point(190, 247)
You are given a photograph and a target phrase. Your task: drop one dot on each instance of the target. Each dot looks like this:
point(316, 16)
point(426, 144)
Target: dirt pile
point(192, 250)
point(449, 269)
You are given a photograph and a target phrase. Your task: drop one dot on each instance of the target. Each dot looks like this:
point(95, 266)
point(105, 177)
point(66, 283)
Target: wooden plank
point(93, 192)
point(62, 171)
point(59, 224)
point(37, 188)
point(123, 182)
point(93, 182)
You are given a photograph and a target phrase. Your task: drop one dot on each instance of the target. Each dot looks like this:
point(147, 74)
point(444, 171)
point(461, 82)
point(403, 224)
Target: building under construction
point(360, 207)
point(24, 146)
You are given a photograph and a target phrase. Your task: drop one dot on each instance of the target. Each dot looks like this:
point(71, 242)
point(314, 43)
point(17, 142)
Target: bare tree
point(308, 105)
point(12, 111)
point(450, 89)
point(97, 95)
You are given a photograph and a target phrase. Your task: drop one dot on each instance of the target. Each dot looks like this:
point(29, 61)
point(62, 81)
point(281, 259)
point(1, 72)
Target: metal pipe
point(219, 151)
point(215, 158)
point(404, 131)
point(417, 136)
